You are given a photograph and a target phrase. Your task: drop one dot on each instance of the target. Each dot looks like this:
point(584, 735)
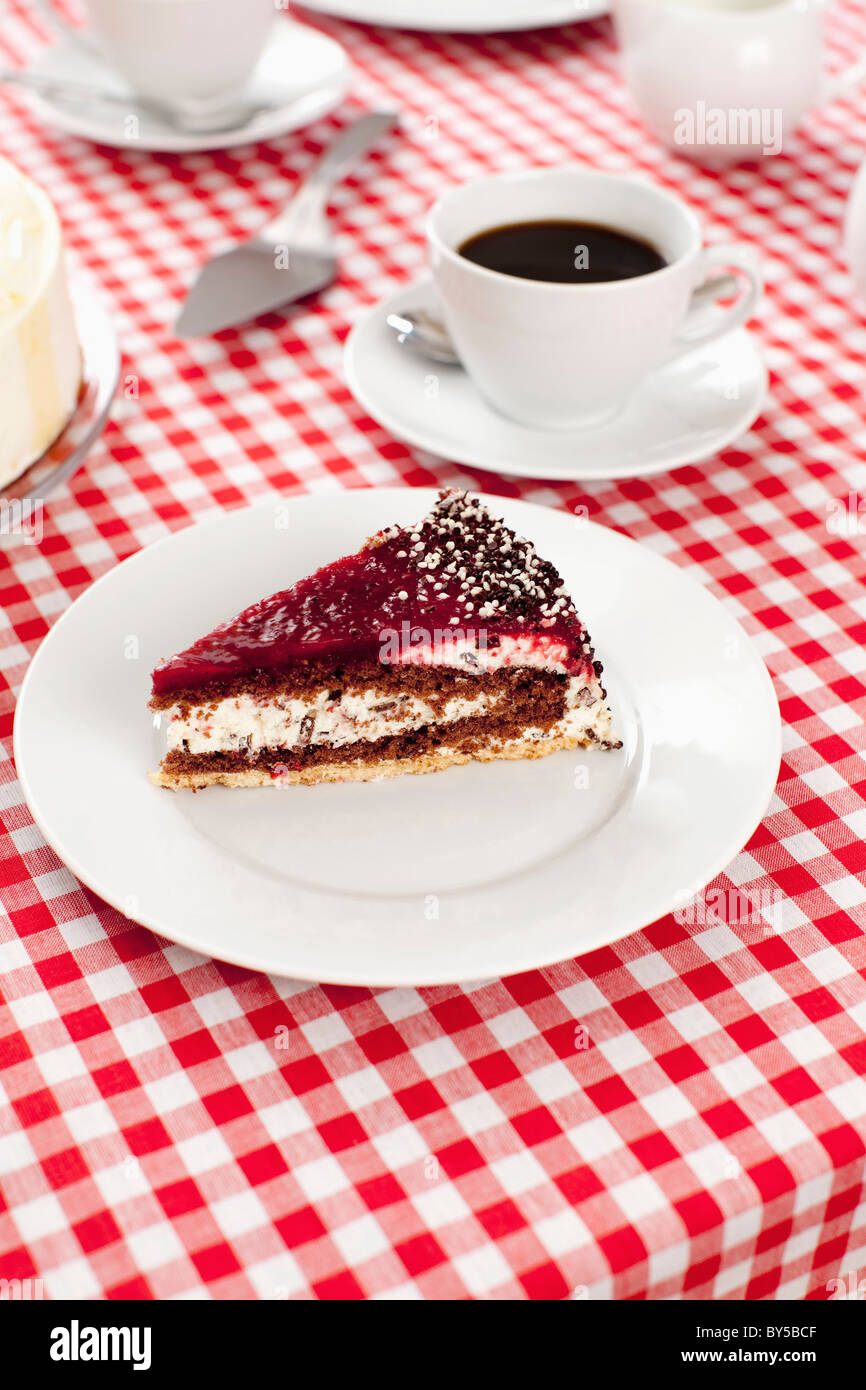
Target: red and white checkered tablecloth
point(708, 1141)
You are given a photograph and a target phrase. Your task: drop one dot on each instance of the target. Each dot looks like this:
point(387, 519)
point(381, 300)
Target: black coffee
point(566, 253)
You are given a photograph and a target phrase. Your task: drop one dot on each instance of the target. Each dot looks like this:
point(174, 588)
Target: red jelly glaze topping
point(458, 572)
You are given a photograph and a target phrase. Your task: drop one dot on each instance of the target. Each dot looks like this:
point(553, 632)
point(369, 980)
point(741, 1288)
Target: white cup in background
point(854, 235)
point(183, 52)
point(564, 356)
point(726, 80)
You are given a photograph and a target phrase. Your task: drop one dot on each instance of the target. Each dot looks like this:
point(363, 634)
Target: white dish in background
point(854, 235)
point(477, 871)
point(322, 79)
point(681, 414)
point(463, 16)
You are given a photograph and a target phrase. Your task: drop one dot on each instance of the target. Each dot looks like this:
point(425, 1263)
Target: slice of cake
point(40, 360)
point(434, 644)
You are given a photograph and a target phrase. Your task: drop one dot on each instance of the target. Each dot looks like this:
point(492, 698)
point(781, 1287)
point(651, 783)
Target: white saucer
point(462, 16)
point(303, 71)
point(100, 373)
point(681, 414)
point(481, 870)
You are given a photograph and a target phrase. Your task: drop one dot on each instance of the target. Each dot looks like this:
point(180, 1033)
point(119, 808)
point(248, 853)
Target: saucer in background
point(463, 16)
point(302, 75)
point(680, 414)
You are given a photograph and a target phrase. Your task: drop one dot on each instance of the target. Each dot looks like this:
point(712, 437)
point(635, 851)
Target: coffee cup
point(555, 355)
point(726, 80)
point(186, 53)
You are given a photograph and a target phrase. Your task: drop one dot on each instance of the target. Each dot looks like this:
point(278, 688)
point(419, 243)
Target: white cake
point(40, 359)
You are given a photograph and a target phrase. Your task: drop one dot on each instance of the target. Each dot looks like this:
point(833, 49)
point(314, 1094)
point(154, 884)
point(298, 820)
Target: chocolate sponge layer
point(435, 684)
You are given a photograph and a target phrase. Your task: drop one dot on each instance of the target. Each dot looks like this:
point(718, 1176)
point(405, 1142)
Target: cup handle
point(725, 267)
point(841, 83)
point(70, 31)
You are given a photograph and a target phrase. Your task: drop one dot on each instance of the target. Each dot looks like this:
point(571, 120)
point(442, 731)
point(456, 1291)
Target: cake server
point(292, 256)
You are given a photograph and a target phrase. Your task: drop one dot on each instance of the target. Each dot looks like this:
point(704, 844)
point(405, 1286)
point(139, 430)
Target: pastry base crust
point(510, 749)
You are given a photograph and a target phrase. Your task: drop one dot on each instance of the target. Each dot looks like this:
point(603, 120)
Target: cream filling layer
point(245, 724)
point(467, 650)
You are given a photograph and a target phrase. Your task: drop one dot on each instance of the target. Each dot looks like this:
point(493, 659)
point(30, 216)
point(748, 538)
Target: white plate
point(100, 373)
point(477, 871)
point(681, 414)
point(462, 16)
point(303, 74)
